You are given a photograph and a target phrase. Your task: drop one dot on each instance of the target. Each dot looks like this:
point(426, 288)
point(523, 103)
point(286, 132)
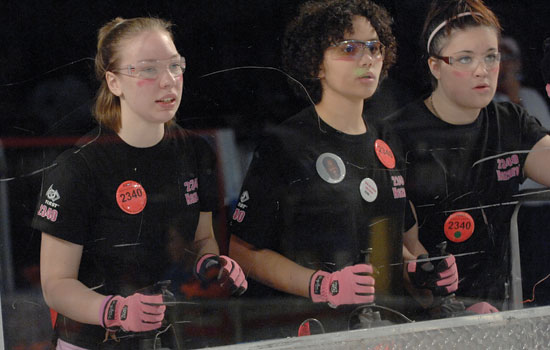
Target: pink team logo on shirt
point(240, 211)
point(191, 186)
point(47, 210)
point(508, 168)
point(398, 188)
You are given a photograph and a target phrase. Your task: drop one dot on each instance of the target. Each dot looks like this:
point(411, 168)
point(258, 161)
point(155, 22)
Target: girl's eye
point(350, 49)
point(490, 58)
point(175, 68)
point(374, 49)
point(148, 72)
point(149, 69)
point(465, 60)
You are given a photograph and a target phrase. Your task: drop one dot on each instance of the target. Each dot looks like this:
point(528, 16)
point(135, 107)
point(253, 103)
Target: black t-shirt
point(120, 202)
point(319, 196)
point(472, 169)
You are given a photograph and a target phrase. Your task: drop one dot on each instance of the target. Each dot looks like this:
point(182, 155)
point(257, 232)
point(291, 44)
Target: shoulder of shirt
point(86, 143)
point(201, 139)
point(289, 132)
point(299, 122)
point(305, 116)
point(505, 109)
point(407, 118)
point(175, 129)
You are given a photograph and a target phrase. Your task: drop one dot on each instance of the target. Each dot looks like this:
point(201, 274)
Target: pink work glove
point(351, 285)
point(223, 269)
point(441, 279)
point(482, 308)
point(136, 313)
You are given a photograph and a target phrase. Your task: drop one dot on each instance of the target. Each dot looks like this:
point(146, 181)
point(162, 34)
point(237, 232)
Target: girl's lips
point(367, 78)
point(166, 103)
point(166, 100)
point(363, 73)
point(482, 87)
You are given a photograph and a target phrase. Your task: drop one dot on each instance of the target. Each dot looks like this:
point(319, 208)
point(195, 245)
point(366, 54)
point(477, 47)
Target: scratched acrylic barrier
point(227, 321)
point(519, 329)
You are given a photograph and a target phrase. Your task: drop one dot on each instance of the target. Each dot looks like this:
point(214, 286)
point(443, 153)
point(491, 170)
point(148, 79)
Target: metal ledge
point(520, 329)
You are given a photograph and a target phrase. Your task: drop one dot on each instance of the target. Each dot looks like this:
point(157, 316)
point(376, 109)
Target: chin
point(485, 102)
point(368, 95)
point(479, 101)
point(165, 117)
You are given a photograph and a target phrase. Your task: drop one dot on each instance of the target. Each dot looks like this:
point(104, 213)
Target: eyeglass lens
point(470, 62)
point(152, 69)
point(356, 49)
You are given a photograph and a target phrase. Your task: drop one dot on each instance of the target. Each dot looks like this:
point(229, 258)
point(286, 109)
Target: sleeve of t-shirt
point(208, 174)
point(65, 204)
point(532, 130)
point(409, 217)
point(397, 147)
point(256, 214)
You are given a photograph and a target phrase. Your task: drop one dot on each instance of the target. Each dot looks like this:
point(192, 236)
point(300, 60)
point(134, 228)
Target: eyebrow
point(164, 59)
point(353, 39)
point(492, 49)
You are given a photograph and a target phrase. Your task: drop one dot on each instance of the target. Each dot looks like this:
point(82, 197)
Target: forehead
point(147, 45)
point(362, 29)
point(474, 39)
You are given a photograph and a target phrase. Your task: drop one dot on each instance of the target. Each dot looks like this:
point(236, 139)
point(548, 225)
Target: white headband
point(438, 28)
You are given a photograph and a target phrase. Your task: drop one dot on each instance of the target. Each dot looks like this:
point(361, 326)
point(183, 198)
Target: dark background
point(41, 36)
point(47, 83)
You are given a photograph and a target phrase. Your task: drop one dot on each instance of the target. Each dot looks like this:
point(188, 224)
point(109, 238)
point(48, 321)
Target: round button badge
point(131, 197)
point(368, 189)
point(459, 227)
point(330, 168)
point(384, 154)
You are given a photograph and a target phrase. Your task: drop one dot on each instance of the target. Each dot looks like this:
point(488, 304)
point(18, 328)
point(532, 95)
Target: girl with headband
point(467, 155)
point(107, 206)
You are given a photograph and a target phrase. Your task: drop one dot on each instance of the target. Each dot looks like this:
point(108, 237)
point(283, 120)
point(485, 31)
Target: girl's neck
point(345, 115)
point(141, 135)
point(448, 111)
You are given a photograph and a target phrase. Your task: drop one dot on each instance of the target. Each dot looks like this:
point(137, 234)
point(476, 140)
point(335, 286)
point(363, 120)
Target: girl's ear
point(113, 83)
point(435, 67)
point(321, 74)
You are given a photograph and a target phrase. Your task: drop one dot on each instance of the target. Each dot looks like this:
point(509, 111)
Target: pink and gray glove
point(136, 313)
point(441, 279)
point(223, 269)
point(351, 285)
point(482, 308)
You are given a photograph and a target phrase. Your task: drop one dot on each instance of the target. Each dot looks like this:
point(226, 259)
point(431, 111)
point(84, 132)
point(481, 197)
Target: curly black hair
point(319, 25)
